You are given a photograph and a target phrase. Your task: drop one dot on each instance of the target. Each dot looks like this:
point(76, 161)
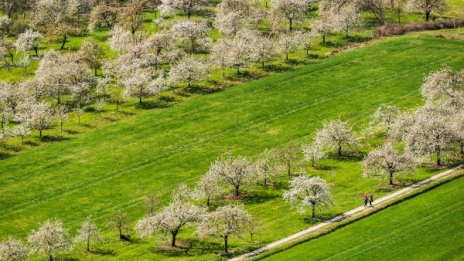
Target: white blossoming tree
point(209, 187)
point(88, 233)
point(13, 250)
point(336, 134)
point(50, 239)
point(233, 171)
point(37, 116)
point(192, 34)
point(225, 222)
point(186, 6)
point(188, 70)
point(312, 192)
point(313, 152)
point(178, 214)
point(29, 40)
point(386, 162)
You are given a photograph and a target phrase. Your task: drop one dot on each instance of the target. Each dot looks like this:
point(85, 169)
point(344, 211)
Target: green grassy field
point(110, 168)
point(427, 227)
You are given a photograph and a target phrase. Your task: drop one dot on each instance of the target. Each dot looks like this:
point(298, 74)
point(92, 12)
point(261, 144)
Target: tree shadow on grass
point(71, 131)
point(194, 89)
point(319, 218)
point(32, 143)
point(103, 252)
point(48, 138)
point(186, 248)
point(148, 105)
point(260, 196)
point(5, 155)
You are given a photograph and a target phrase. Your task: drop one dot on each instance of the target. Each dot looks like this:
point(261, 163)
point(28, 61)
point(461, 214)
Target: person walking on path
point(371, 200)
point(365, 201)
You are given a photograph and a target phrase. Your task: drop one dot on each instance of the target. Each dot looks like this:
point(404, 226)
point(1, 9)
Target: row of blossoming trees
point(147, 64)
point(432, 131)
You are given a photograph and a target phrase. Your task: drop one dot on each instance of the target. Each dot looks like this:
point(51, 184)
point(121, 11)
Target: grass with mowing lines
point(427, 227)
point(112, 167)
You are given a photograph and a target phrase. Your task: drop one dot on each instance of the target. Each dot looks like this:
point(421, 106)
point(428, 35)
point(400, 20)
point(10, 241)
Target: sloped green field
point(111, 168)
point(428, 227)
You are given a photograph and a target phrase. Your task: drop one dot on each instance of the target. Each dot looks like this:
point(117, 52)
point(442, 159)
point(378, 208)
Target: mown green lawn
point(427, 227)
point(112, 167)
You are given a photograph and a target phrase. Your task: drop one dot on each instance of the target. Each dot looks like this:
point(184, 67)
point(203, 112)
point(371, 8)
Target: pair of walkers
point(369, 200)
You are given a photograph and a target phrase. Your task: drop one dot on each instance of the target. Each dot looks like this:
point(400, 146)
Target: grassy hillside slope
point(428, 227)
point(112, 167)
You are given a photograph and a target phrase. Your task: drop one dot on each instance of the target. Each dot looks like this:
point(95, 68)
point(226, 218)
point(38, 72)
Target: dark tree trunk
point(237, 191)
point(290, 24)
point(391, 178)
point(226, 238)
point(36, 49)
point(313, 212)
point(427, 16)
point(339, 150)
point(173, 241)
point(40, 133)
point(51, 258)
point(208, 203)
point(289, 168)
point(65, 39)
point(438, 153)
point(140, 100)
point(323, 38)
point(262, 64)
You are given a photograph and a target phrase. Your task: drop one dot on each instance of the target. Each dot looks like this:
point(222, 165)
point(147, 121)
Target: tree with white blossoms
point(288, 43)
point(22, 131)
point(29, 40)
point(61, 113)
point(386, 162)
point(313, 152)
point(178, 214)
point(91, 54)
point(306, 40)
point(239, 55)
point(188, 70)
point(186, 6)
point(234, 15)
point(192, 34)
point(312, 192)
point(224, 222)
point(291, 10)
point(143, 83)
point(384, 118)
point(11, 95)
point(427, 6)
point(50, 239)
point(263, 49)
point(58, 74)
point(431, 132)
point(105, 13)
point(209, 187)
point(13, 250)
point(348, 18)
point(233, 171)
point(121, 40)
point(58, 17)
point(444, 86)
point(88, 233)
point(220, 54)
point(324, 25)
point(265, 168)
point(37, 116)
point(336, 134)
